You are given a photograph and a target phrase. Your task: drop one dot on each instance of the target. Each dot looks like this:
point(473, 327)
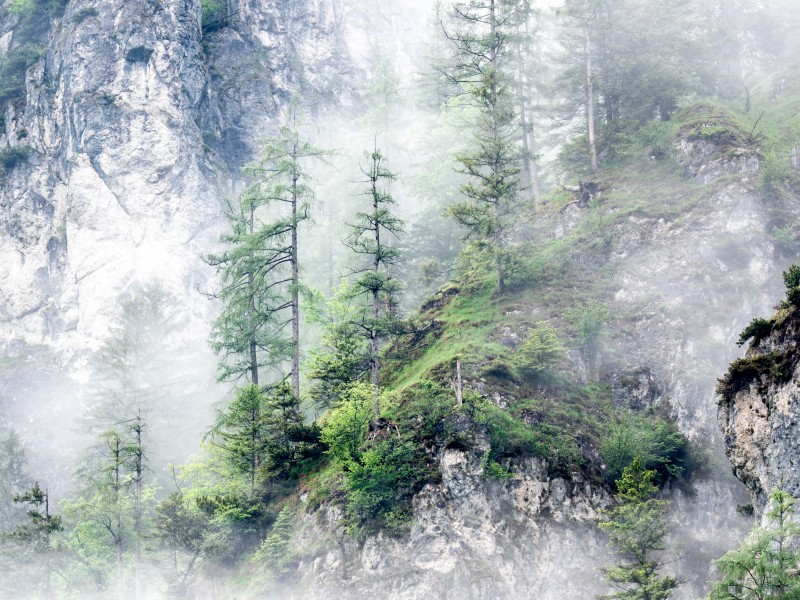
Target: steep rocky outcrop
point(759, 410)
point(530, 536)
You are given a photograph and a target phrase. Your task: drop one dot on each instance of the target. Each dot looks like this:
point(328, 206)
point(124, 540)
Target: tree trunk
point(590, 117)
point(138, 510)
point(295, 294)
point(252, 324)
point(376, 306)
point(459, 385)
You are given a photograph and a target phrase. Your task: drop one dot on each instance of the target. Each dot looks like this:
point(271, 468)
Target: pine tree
point(370, 238)
point(637, 528)
point(767, 564)
point(481, 68)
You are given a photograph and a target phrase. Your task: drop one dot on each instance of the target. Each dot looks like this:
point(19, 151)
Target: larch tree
point(482, 68)
point(767, 564)
point(260, 268)
point(370, 237)
point(637, 528)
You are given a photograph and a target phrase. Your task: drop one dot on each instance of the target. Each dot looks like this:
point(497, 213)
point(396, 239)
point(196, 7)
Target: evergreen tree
point(13, 477)
point(481, 69)
point(35, 538)
point(767, 564)
point(637, 528)
point(180, 528)
point(260, 269)
point(343, 355)
point(370, 237)
point(262, 435)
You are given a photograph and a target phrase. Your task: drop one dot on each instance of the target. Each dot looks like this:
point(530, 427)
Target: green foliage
point(12, 156)
point(345, 427)
point(382, 483)
point(791, 277)
point(491, 165)
point(776, 176)
point(540, 353)
point(767, 562)
point(13, 477)
point(275, 552)
point(262, 436)
point(589, 319)
point(214, 15)
point(757, 329)
point(179, 527)
point(636, 528)
point(657, 443)
point(742, 372)
point(341, 359)
point(658, 138)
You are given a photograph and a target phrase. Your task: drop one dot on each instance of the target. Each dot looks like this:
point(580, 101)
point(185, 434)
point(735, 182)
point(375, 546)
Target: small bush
point(758, 329)
point(540, 353)
point(346, 426)
point(776, 176)
point(744, 371)
point(84, 13)
point(657, 137)
point(657, 442)
point(381, 485)
point(214, 15)
point(12, 156)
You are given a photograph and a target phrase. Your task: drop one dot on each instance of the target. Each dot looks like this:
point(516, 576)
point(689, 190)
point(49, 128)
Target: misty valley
point(411, 299)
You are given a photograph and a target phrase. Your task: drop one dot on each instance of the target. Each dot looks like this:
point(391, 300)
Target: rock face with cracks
point(759, 410)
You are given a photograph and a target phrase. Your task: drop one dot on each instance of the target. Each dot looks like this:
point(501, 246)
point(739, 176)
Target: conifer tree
point(37, 534)
point(260, 269)
point(637, 528)
point(482, 69)
point(767, 564)
point(370, 237)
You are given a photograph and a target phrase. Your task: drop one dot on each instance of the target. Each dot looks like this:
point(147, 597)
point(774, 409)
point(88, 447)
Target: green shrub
point(214, 15)
point(777, 176)
point(758, 329)
point(791, 277)
point(13, 66)
point(540, 353)
point(589, 319)
point(275, 552)
point(659, 443)
point(345, 427)
point(12, 156)
point(380, 487)
point(657, 137)
point(742, 372)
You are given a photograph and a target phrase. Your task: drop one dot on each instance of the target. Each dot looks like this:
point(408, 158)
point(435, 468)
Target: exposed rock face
point(759, 410)
point(531, 536)
point(138, 122)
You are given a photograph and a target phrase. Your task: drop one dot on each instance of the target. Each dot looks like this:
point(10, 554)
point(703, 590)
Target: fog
point(153, 366)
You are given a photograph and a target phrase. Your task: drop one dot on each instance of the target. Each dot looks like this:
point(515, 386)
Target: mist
point(422, 386)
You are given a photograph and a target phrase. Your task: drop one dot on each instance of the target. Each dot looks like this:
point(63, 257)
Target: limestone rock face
point(530, 536)
point(137, 124)
point(759, 410)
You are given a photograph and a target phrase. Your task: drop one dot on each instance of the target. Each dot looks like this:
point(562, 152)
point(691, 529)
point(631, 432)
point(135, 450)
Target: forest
point(427, 269)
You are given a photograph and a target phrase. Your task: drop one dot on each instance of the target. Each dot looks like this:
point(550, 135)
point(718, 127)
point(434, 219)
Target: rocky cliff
point(759, 412)
point(138, 121)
